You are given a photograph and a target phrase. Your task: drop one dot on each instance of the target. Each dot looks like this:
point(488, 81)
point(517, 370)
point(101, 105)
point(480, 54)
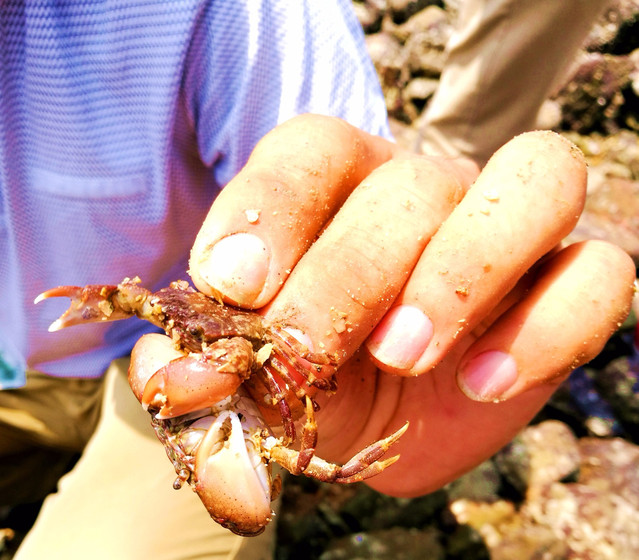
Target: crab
point(226, 403)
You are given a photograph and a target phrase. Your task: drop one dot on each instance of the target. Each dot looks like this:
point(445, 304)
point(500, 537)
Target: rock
point(618, 385)
point(592, 523)
point(595, 517)
point(612, 466)
point(408, 58)
point(592, 98)
point(421, 88)
point(480, 515)
point(481, 484)
point(549, 115)
point(386, 52)
point(505, 534)
point(389, 60)
point(613, 155)
point(465, 542)
point(612, 213)
point(369, 14)
point(612, 207)
point(634, 76)
point(605, 35)
point(431, 20)
point(616, 31)
point(6, 535)
point(539, 456)
point(598, 417)
point(423, 57)
point(401, 10)
point(388, 544)
point(368, 510)
point(452, 8)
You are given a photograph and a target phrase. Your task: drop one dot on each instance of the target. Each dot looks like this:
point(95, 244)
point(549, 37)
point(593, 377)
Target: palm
point(448, 435)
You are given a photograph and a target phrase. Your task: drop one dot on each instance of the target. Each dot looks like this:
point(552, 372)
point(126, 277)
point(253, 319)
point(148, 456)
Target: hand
point(447, 305)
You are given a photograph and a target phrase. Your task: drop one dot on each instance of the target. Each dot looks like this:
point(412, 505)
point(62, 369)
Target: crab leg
point(361, 466)
point(298, 358)
point(366, 463)
point(184, 382)
point(280, 400)
point(309, 439)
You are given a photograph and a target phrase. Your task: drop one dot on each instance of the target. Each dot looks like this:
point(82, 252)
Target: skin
point(448, 305)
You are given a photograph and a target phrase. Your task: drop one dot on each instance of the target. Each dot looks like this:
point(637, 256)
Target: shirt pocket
point(88, 187)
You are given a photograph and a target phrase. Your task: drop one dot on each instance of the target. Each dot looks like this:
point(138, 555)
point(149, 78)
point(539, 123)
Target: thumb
point(272, 211)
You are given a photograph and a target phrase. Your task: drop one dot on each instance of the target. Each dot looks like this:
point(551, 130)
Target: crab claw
point(87, 305)
point(170, 384)
point(231, 479)
point(97, 302)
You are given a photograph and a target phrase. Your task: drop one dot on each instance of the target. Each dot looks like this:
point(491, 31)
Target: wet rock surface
point(568, 485)
point(596, 105)
point(594, 516)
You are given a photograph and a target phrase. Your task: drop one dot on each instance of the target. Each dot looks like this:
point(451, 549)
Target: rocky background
point(568, 485)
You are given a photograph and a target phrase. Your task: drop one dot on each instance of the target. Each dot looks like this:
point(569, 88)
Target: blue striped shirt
point(119, 123)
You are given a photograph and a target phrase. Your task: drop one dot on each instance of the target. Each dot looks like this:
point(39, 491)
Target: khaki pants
point(47, 423)
point(503, 61)
point(118, 501)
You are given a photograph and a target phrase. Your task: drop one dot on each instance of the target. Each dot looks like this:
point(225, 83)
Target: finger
point(270, 213)
point(527, 198)
point(581, 297)
point(347, 280)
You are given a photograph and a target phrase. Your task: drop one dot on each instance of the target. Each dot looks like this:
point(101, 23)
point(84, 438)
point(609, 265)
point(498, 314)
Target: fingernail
point(487, 376)
point(237, 266)
point(401, 337)
point(301, 337)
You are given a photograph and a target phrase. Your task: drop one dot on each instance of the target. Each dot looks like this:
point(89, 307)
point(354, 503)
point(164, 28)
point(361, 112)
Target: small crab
point(232, 378)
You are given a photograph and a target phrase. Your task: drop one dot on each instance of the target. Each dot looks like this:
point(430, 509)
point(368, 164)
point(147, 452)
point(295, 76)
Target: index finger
point(271, 212)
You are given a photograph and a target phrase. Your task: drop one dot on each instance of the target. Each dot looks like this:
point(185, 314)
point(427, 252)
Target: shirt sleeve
point(254, 64)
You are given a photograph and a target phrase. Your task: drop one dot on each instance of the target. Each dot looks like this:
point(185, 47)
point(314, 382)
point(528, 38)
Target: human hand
point(435, 298)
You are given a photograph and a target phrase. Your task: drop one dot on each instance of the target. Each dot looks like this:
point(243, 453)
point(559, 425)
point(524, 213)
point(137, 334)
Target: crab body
point(217, 389)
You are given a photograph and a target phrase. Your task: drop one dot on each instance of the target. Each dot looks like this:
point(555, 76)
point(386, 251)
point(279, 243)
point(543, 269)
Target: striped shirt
point(119, 123)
